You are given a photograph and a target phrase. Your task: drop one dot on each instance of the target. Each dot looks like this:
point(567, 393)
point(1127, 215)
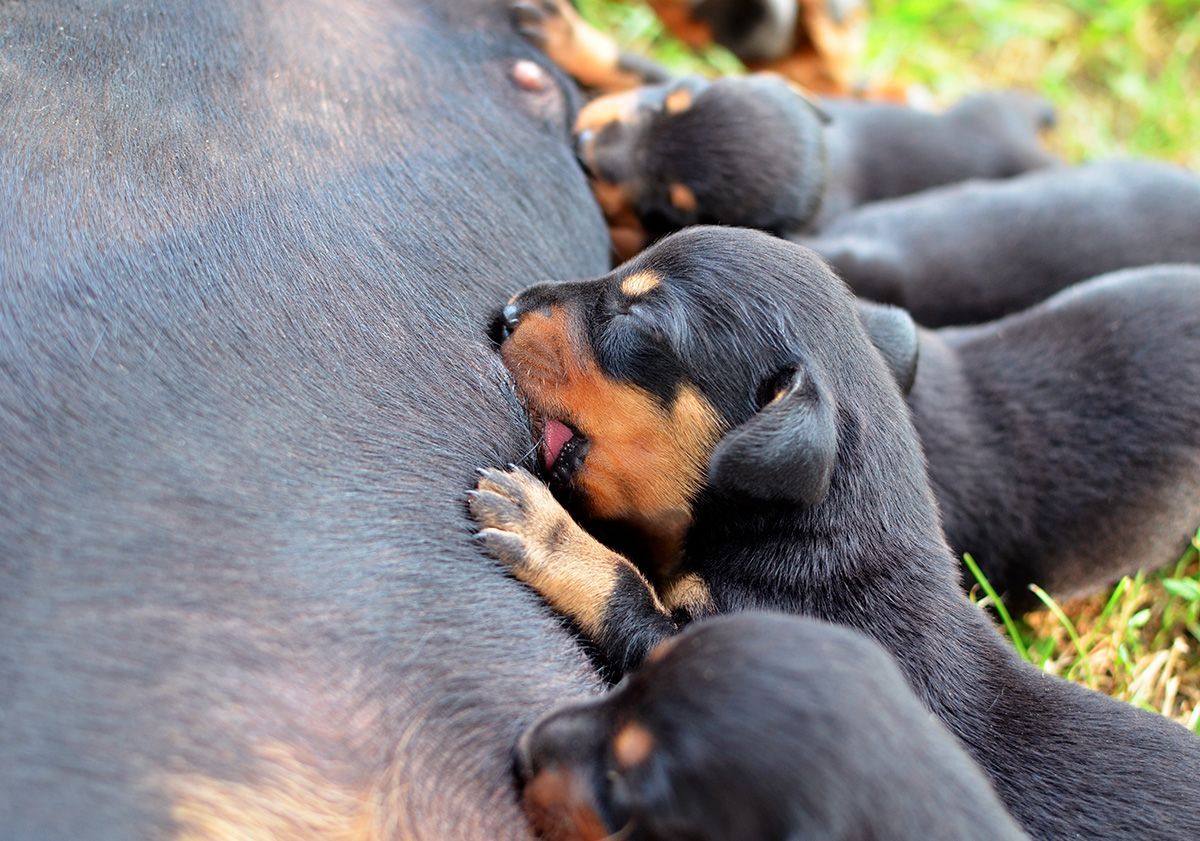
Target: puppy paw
point(548, 24)
point(522, 524)
point(592, 58)
point(525, 528)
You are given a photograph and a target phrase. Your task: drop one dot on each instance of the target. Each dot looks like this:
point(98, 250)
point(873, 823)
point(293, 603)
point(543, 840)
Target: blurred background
point(1125, 74)
point(1125, 77)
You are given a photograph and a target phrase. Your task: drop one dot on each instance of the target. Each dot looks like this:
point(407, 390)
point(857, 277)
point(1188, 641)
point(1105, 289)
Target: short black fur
point(739, 308)
point(242, 249)
point(1062, 442)
point(768, 728)
point(972, 252)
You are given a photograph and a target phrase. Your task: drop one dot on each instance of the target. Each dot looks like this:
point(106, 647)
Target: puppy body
point(880, 151)
point(816, 503)
point(759, 726)
point(1062, 442)
point(972, 252)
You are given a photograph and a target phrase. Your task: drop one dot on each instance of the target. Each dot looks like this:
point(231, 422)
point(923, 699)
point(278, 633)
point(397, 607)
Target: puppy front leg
point(590, 57)
point(525, 528)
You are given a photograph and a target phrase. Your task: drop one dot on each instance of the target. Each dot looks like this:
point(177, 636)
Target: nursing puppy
point(759, 727)
point(1062, 442)
point(753, 152)
point(721, 391)
point(972, 252)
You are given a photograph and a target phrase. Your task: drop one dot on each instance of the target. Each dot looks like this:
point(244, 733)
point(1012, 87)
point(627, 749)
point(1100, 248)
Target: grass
point(1123, 74)
point(1139, 642)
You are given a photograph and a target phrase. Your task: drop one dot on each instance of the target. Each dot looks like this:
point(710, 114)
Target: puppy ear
point(788, 449)
point(894, 334)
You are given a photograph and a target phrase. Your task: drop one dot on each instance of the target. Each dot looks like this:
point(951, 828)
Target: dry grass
point(1124, 76)
point(1139, 642)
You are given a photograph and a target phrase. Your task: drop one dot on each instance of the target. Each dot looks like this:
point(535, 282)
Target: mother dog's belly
point(246, 254)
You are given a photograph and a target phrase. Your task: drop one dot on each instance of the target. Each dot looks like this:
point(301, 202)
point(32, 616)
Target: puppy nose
point(502, 323)
point(512, 316)
point(583, 142)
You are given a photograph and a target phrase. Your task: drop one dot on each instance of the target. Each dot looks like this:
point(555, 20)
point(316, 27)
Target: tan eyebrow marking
point(632, 745)
point(640, 283)
point(678, 101)
point(682, 197)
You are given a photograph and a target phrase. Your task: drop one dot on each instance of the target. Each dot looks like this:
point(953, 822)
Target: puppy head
point(651, 759)
point(720, 358)
point(571, 764)
point(714, 737)
point(738, 151)
point(753, 30)
point(561, 764)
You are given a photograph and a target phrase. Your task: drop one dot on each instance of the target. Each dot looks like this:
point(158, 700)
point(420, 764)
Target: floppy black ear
point(788, 449)
point(894, 334)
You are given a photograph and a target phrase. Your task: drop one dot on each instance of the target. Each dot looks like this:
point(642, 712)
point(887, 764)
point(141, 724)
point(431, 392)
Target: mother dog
point(240, 248)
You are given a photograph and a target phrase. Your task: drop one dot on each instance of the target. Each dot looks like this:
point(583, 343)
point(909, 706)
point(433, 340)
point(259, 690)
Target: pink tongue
point(555, 435)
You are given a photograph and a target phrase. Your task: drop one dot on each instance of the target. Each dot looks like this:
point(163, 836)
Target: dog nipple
point(530, 76)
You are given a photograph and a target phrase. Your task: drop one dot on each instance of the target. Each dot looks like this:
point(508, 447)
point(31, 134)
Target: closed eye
point(639, 311)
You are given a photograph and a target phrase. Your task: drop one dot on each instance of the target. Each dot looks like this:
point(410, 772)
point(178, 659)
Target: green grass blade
point(998, 603)
point(1081, 650)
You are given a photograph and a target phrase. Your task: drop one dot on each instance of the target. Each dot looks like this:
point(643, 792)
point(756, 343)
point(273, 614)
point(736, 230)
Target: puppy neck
point(663, 540)
point(888, 576)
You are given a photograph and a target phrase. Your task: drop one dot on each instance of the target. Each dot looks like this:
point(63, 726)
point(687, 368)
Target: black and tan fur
point(592, 58)
point(815, 501)
point(756, 152)
point(757, 727)
point(971, 252)
point(815, 43)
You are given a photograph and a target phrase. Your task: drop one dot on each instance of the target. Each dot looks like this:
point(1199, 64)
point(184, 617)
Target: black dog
point(973, 252)
point(241, 388)
point(722, 389)
point(1062, 442)
point(753, 152)
point(880, 151)
point(756, 727)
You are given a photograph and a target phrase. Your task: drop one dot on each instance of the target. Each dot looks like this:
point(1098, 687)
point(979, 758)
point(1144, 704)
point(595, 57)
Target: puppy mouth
point(563, 450)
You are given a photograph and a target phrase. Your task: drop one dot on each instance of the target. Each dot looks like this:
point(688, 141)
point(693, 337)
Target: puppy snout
point(501, 324)
point(504, 323)
point(512, 316)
